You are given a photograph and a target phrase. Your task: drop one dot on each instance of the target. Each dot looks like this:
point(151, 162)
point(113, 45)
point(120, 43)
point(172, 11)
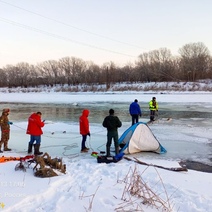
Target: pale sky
point(99, 31)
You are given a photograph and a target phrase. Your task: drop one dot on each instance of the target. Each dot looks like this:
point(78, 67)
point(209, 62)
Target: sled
point(6, 159)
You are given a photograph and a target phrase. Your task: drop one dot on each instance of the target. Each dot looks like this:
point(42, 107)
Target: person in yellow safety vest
point(153, 106)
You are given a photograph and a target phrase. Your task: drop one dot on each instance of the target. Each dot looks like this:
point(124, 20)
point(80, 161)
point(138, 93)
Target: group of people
point(34, 129)
point(112, 123)
point(135, 110)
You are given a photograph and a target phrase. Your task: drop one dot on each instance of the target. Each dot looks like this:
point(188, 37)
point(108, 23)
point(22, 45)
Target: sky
point(88, 185)
point(99, 31)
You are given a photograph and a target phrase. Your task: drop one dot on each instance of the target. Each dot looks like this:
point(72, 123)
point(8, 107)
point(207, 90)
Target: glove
point(10, 123)
point(44, 121)
point(89, 134)
point(140, 115)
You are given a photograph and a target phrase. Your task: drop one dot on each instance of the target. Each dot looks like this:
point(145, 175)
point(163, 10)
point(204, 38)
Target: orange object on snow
point(6, 159)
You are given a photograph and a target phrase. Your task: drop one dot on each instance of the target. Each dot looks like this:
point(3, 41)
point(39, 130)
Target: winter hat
point(111, 111)
point(6, 110)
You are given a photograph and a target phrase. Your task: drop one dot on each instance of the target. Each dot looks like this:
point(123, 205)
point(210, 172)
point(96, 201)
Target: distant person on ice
point(5, 129)
point(84, 129)
point(135, 111)
point(34, 130)
point(112, 122)
point(153, 106)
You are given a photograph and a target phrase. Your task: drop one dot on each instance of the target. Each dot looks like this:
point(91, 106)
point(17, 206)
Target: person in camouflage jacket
point(5, 129)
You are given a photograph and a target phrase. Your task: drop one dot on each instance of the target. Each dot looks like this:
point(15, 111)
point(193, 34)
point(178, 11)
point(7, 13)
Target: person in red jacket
point(84, 129)
point(34, 130)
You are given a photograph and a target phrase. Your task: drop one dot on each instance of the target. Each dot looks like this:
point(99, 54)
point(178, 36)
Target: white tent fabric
point(140, 138)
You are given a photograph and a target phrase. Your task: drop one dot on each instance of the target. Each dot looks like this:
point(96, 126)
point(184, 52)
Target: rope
point(19, 127)
point(67, 146)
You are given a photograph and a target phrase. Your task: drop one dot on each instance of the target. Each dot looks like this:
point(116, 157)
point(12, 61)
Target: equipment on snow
point(46, 166)
point(6, 159)
point(139, 138)
point(111, 159)
point(24, 163)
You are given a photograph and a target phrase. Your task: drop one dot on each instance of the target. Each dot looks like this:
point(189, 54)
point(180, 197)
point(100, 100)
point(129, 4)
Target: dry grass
point(91, 198)
point(138, 195)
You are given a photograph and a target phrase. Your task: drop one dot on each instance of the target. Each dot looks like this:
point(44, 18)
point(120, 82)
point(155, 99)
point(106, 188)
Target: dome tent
point(139, 138)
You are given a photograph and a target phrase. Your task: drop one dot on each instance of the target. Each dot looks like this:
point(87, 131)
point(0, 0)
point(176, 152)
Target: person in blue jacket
point(135, 111)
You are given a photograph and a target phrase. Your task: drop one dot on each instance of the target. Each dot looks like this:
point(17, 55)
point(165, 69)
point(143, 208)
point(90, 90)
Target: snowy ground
point(88, 185)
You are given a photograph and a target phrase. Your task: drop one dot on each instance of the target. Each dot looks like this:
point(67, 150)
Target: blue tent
point(139, 138)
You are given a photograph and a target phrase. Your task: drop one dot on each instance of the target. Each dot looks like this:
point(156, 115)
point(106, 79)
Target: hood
point(34, 116)
point(85, 112)
point(5, 111)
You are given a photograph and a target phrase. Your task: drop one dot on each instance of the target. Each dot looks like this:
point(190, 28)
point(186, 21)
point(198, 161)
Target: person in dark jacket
point(84, 129)
point(135, 111)
point(34, 130)
point(112, 122)
point(5, 129)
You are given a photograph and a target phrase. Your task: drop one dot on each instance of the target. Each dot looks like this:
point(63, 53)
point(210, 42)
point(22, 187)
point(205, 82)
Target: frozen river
point(188, 136)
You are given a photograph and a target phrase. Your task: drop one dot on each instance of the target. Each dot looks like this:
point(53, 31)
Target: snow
point(91, 186)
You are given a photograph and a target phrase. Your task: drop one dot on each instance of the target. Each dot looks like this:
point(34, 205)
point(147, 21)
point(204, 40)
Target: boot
point(0, 147)
point(29, 148)
point(117, 150)
point(37, 149)
point(6, 146)
point(108, 151)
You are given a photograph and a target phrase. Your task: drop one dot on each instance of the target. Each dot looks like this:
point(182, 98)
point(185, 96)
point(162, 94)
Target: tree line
point(193, 63)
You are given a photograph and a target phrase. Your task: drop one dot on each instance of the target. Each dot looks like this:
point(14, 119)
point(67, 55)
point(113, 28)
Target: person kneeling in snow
point(34, 130)
point(5, 129)
point(112, 122)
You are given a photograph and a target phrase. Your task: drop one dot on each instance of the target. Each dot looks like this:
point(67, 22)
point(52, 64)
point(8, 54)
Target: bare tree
point(93, 73)
point(156, 65)
point(65, 64)
point(49, 72)
point(3, 78)
point(194, 61)
point(74, 69)
point(144, 67)
point(11, 76)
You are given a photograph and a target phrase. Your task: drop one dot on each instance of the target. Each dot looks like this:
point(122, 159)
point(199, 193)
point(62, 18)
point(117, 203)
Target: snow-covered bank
point(70, 98)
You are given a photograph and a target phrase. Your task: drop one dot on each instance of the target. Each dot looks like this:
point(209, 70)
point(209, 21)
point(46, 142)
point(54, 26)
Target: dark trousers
point(152, 115)
point(112, 135)
point(84, 137)
point(134, 118)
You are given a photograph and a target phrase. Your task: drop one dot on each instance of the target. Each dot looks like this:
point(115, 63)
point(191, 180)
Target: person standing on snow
point(5, 129)
point(34, 130)
point(112, 122)
point(84, 129)
point(153, 106)
point(135, 111)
